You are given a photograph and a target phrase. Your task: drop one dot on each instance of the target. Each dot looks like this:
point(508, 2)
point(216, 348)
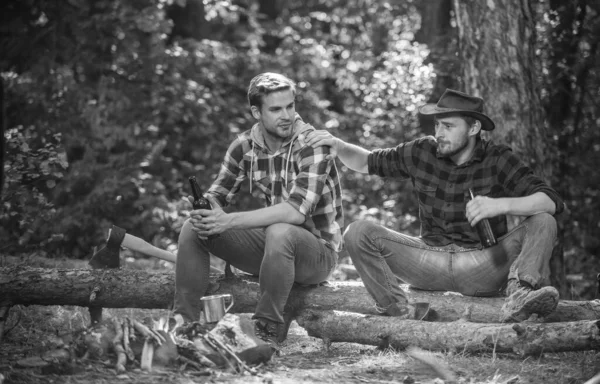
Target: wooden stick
point(220, 352)
point(232, 353)
point(119, 350)
point(141, 328)
point(147, 355)
point(126, 332)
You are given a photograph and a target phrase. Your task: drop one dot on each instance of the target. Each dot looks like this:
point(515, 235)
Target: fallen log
point(524, 339)
point(128, 288)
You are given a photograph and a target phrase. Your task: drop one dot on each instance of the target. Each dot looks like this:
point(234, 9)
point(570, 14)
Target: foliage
point(31, 173)
point(110, 107)
point(138, 112)
point(568, 40)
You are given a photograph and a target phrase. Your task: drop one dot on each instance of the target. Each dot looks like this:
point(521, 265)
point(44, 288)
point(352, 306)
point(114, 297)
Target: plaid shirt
point(297, 174)
point(442, 186)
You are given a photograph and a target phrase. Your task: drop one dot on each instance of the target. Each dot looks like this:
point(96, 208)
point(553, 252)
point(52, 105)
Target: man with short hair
point(294, 239)
point(448, 254)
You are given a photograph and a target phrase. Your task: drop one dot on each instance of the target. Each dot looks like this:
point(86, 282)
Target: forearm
point(279, 213)
point(529, 205)
point(353, 156)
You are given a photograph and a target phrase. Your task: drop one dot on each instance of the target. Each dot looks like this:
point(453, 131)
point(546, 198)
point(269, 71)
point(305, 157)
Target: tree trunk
point(437, 32)
point(2, 139)
point(459, 336)
point(499, 64)
point(189, 21)
point(123, 288)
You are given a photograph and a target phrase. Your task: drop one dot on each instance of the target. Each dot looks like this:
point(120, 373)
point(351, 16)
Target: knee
point(544, 222)
point(281, 233)
point(187, 233)
point(357, 230)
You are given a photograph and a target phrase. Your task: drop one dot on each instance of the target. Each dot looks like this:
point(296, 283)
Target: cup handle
point(230, 305)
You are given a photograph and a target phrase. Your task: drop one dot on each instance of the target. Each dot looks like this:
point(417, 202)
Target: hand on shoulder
point(321, 137)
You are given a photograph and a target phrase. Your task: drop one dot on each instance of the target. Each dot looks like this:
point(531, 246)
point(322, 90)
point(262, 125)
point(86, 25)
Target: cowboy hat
point(457, 102)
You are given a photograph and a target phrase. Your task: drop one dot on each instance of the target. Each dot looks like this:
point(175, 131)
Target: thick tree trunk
point(123, 288)
point(459, 336)
point(499, 64)
point(438, 33)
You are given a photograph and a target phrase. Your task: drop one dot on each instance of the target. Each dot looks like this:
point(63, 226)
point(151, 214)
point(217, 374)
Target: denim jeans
point(279, 254)
point(385, 258)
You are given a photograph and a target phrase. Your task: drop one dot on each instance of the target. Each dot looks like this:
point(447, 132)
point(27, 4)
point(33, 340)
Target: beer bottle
point(199, 202)
point(484, 229)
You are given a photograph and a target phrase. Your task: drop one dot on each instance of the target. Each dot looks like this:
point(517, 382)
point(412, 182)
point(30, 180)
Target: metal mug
point(214, 307)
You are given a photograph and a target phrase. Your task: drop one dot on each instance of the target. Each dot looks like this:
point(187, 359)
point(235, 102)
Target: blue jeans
point(385, 258)
point(279, 254)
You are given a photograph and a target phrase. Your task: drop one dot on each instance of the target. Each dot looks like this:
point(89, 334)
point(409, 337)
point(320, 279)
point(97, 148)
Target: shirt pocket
point(426, 193)
point(261, 177)
point(482, 190)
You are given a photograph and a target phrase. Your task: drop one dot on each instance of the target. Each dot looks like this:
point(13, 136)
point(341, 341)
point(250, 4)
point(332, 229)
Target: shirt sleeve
point(231, 175)
point(519, 180)
point(403, 160)
point(314, 168)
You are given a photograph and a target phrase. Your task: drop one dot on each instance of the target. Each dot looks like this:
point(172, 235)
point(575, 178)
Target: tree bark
point(189, 21)
point(438, 33)
point(497, 47)
point(123, 288)
point(499, 64)
point(459, 336)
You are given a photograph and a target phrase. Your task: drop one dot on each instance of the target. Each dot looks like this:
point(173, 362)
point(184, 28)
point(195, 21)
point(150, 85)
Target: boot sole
point(543, 304)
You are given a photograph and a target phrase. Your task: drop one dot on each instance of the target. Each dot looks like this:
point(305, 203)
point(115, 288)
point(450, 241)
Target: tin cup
point(214, 307)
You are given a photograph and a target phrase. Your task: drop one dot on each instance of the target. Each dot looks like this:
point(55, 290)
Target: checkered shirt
point(302, 177)
point(442, 186)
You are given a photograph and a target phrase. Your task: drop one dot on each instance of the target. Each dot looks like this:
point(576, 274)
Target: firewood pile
point(126, 343)
point(333, 312)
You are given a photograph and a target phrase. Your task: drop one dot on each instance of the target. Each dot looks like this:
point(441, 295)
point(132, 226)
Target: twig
point(231, 352)
point(216, 348)
point(141, 328)
point(147, 355)
point(191, 362)
point(126, 332)
point(119, 350)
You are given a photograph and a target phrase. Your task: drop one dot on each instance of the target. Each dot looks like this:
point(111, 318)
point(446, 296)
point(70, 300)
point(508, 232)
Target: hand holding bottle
point(198, 200)
point(484, 229)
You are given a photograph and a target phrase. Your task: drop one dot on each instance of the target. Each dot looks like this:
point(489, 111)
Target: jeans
point(385, 258)
point(279, 254)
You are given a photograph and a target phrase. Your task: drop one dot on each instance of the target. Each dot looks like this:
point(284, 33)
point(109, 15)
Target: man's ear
point(475, 128)
point(255, 112)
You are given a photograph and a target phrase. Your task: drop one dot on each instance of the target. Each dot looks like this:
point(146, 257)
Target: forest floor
point(302, 359)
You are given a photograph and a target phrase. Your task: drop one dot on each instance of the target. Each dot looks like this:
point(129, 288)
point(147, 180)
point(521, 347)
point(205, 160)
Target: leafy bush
point(35, 163)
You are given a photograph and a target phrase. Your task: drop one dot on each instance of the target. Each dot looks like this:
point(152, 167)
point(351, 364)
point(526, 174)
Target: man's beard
point(451, 152)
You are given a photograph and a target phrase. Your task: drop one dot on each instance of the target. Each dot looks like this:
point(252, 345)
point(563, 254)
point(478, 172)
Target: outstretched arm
point(353, 156)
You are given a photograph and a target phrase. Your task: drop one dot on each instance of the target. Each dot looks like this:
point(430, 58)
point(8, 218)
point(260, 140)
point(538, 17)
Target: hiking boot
point(414, 311)
point(523, 301)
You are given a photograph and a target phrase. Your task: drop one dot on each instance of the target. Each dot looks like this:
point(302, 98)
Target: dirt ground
point(303, 359)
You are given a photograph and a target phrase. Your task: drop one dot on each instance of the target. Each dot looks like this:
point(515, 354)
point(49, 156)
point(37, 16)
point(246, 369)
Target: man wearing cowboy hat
point(448, 254)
